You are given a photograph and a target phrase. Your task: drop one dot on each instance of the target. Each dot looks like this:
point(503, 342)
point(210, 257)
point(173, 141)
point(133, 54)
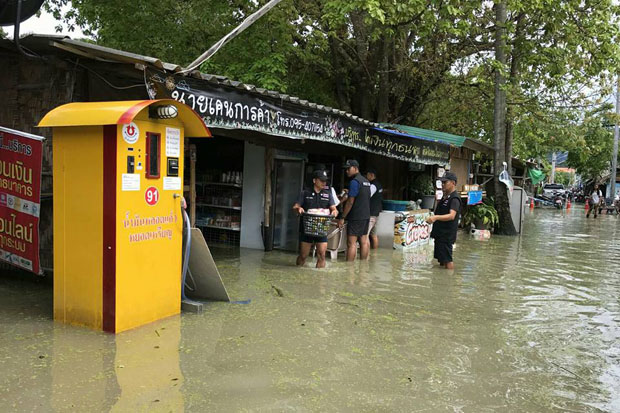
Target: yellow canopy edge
point(119, 113)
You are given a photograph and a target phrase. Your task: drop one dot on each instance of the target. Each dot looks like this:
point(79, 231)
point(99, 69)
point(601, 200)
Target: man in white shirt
point(595, 201)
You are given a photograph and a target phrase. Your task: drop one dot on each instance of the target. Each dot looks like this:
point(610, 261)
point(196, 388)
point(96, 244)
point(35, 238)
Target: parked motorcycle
point(556, 199)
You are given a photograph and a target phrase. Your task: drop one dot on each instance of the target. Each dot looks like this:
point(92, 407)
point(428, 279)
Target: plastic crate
point(316, 225)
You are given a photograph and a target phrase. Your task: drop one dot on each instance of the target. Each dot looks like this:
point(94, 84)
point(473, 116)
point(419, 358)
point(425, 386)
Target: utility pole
point(244, 25)
point(614, 158)
point(554, 158)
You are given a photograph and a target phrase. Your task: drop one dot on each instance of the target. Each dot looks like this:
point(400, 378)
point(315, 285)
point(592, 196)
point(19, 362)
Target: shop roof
point(428, 134)
point(410, 135)
point(42, 43)
point(134, 66)
point(442, 137)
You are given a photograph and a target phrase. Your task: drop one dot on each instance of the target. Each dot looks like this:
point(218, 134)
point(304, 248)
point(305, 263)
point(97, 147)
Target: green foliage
point(422, 63)
point(590, 153)
point(484, 213)
point(422, 185)
point(564, 178)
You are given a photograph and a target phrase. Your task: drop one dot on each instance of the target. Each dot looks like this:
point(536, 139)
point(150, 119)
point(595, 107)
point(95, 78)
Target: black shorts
point(443, 251)
point(357, 227)
point(311, 239)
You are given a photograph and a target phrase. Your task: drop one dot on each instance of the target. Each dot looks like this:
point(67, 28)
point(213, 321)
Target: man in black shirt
point(446, 221)
point(319, 197)
point(356, 211)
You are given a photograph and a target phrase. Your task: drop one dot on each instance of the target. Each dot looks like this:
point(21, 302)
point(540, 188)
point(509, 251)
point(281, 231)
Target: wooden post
point(192, 185)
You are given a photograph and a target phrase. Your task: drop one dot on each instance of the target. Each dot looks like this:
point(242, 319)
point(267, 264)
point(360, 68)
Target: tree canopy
point(424, 63)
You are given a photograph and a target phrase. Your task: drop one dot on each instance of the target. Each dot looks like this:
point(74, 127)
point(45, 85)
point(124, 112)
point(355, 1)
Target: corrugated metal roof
point(101, 53)
point(107, 54)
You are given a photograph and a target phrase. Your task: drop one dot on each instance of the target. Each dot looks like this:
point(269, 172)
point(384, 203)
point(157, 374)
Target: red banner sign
point(20, 198)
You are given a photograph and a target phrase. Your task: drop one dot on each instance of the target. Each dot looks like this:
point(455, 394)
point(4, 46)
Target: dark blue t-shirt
point(354, 188)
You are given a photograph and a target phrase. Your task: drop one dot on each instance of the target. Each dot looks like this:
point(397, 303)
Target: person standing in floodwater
point(319, 197)
point(446, 221)
point(376, 205)
point(356, 211)
point(594, 200)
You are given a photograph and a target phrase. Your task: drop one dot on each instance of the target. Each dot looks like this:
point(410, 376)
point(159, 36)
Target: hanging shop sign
point(229, 108)
point(20, 198)
point(474, 197)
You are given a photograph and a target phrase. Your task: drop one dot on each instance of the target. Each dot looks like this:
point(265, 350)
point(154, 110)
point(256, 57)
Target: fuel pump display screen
point(173, 167)
point(153, 149)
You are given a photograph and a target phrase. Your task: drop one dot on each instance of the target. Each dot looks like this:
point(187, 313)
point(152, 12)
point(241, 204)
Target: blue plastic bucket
point(390, 205)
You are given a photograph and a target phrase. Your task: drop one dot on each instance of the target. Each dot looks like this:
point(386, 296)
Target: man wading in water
point(319, 197)
point(595, 201)
point(356, 211)
point(446, 221)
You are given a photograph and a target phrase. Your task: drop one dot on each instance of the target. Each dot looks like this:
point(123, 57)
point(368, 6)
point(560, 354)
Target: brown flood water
point(524, 324)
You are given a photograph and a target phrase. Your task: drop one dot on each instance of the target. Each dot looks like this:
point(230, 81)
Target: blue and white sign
point(474, 197)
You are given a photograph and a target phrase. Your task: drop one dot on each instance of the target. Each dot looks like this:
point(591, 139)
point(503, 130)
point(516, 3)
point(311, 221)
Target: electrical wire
point(106, 81)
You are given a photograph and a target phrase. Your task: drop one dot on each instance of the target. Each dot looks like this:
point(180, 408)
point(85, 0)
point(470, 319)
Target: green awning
point(441, 137)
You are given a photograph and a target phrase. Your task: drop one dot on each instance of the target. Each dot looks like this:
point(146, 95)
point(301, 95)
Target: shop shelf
point(223, 184)
point(236, 208)
point(216, 227)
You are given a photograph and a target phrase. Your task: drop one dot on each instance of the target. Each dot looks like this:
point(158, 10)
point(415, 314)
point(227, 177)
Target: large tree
point(380, 59)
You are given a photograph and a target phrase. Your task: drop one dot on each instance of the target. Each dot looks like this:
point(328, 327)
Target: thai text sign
point(413, 231)
point(232, 108)
point(20, 198)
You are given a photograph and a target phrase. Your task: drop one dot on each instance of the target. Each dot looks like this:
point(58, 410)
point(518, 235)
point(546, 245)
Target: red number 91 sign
point(151, 195)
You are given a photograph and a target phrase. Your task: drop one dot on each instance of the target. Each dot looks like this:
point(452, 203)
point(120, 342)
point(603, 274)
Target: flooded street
point(524, 324)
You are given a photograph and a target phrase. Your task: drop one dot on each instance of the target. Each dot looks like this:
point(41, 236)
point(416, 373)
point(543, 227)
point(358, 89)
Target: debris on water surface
point(277, 290)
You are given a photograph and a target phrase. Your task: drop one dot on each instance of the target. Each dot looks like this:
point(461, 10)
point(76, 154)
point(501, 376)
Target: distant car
point(551, 189)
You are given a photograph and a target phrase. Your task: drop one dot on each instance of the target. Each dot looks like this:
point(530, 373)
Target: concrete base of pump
point(189, 306)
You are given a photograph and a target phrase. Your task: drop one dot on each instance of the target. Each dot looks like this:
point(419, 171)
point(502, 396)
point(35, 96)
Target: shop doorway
point(288, 180)
point(219, 189)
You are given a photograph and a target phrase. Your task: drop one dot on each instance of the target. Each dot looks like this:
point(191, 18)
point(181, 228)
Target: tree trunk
point(341, 91)
point(384, 83)
point(506, 226)
point(363, 101)
point(514, 81)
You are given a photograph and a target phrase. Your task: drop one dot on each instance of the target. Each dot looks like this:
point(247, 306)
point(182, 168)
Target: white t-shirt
point(373, 189)
point(596, 196)
point(335, 196)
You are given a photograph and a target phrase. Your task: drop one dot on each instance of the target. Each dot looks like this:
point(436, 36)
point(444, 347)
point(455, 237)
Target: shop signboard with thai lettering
point(413, 231)
point(231, 108)
point(20, 198)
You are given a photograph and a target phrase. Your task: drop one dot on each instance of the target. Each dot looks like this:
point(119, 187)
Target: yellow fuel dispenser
point(118, 224)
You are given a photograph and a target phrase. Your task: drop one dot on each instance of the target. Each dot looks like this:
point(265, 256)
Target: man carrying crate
point(314, 200)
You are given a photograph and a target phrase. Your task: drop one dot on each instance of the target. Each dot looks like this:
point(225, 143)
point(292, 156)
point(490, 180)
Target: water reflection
point(82, 374)
point(147, 370)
